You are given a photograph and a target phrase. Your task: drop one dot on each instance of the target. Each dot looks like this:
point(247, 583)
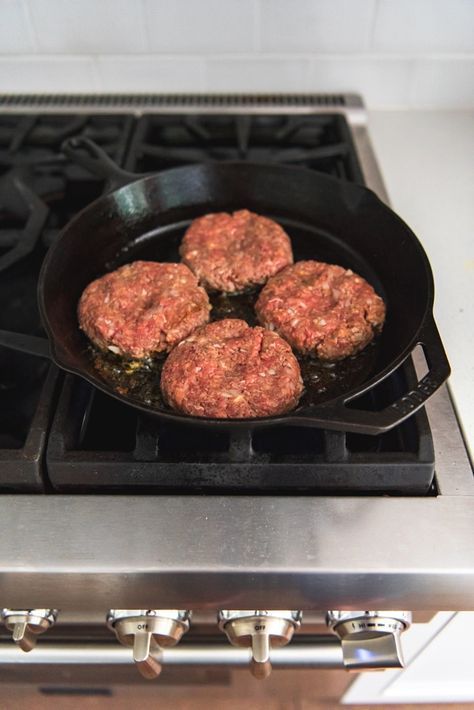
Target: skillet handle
point(359, 421)
point(29, 344)
point(89, 155)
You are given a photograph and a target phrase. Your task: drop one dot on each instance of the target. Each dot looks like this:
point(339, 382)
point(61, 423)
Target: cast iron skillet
point(327, 219)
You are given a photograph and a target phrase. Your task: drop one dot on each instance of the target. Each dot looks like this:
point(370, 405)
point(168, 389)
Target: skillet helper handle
point(90, 156)
point(365, 422)
point(29, 344)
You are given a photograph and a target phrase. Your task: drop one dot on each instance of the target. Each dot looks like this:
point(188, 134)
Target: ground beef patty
point(232, 252)
point(143, 308)
point(229, 370)
point(321, 309)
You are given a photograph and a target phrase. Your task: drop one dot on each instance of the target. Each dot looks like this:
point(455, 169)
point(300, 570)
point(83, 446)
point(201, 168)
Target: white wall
point(397, 53)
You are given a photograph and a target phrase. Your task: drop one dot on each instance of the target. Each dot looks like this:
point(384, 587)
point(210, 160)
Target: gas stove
point(101, 507)
point(133, 453)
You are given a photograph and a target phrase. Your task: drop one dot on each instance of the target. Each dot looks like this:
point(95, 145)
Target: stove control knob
point(147, 630)
point(259, 631)
point(27, 624)
point(370, 639)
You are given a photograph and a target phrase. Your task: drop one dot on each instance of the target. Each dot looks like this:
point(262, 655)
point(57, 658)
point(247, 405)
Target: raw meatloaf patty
point(321, 309)
point(232, 252)
point(143, 308)
point(229, 370)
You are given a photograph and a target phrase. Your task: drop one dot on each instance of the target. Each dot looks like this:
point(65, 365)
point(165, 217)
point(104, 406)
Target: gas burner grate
point(320, 142)
point(94, 443)
point(27, 384)
point(39, 192)
point(23, 216)
point(25, 415)
point(37, 138)
point(98, 444)
point(31, 160)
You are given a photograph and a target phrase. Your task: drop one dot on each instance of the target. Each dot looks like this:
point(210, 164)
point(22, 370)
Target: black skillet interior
point(322, 381)
point(326, 219)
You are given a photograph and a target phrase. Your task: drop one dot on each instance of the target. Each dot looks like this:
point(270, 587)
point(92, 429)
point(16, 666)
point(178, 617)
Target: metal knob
point(370, 639)
point(146, 630)
point(259, 631)
point(27, 624)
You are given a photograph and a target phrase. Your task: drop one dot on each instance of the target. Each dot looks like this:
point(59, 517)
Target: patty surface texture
point(321, 309)
point(229, 370)
point(233, 252)
point(143, 308)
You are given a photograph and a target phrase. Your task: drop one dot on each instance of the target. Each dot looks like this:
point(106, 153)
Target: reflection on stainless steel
point(370, 640)
point(370, 168)
point(260, 632)
point(148, 631)
point(320, 652)
point(27, 624)
point(141, 104)
point(211, 547)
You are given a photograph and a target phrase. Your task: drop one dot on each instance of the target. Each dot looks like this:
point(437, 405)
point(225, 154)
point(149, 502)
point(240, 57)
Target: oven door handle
point(315, 652)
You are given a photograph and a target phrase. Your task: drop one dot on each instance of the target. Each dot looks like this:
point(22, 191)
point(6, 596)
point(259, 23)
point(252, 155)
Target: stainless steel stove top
point(92, 552)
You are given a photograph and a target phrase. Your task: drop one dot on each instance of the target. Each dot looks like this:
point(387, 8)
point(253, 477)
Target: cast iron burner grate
point(319, 142)
point(27, 384)
point(98, 444)
point(39, 192)
point(35, 175)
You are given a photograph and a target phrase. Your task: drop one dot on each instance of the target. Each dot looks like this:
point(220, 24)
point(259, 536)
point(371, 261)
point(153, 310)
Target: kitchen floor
point(285, 690)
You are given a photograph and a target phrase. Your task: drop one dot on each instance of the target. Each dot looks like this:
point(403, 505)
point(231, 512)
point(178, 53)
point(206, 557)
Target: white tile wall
point(151, 74)
point(397, 53)
point(439, 84)
point(88, 26)
point(16, 32)
point(383, 82)
point(207, 26)
point(257, 74)
point(309, 26)
point(422, 26)
point(24, 74)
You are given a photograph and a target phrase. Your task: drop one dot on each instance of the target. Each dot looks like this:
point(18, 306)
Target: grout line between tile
point(373, 24)
point(234, 56)
point(144, 28)
point(257, 20)
point(30, 25)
